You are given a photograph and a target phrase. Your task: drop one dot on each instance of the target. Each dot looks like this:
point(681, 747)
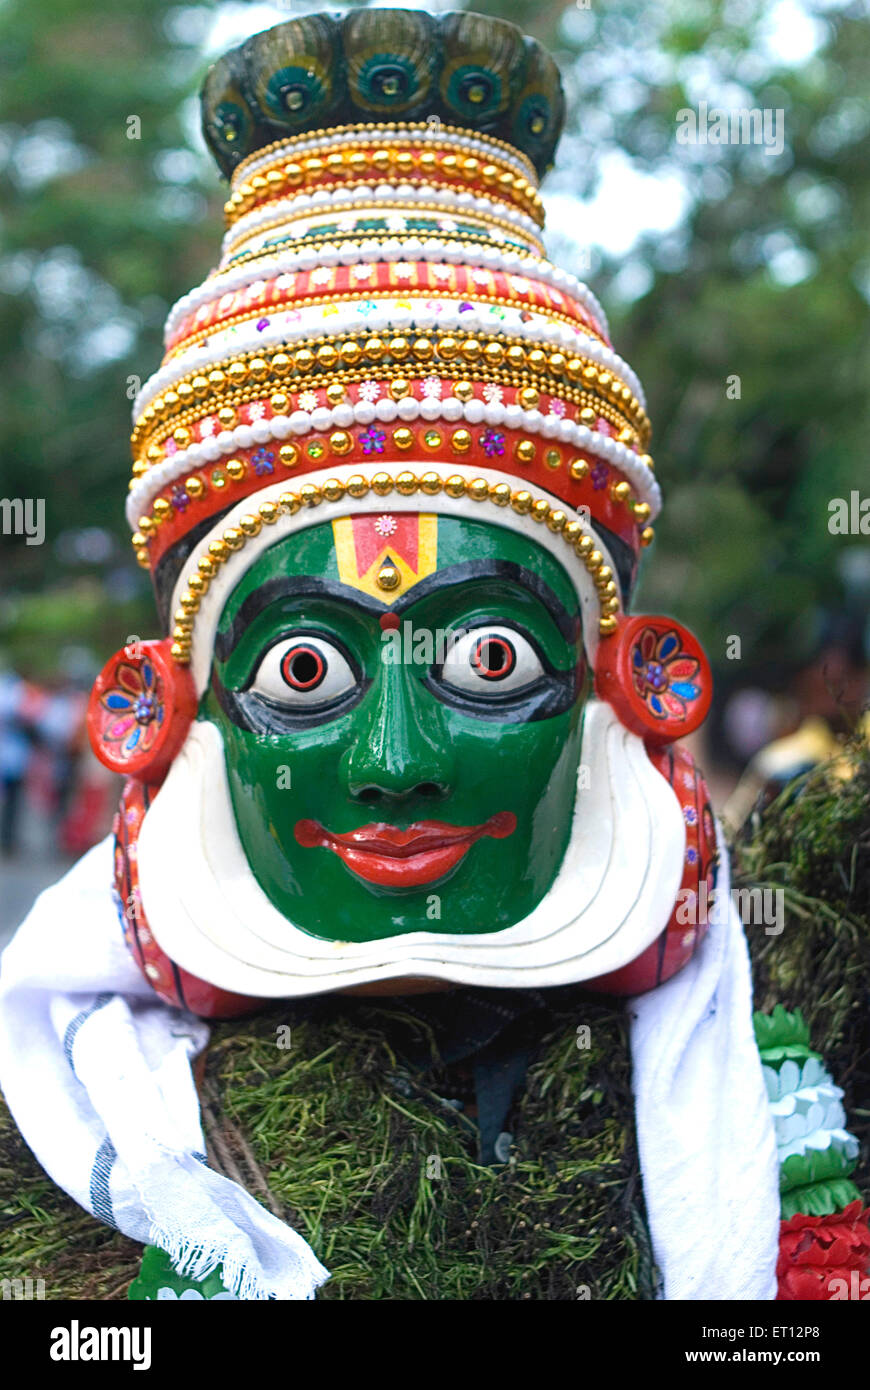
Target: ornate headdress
point(382, 322)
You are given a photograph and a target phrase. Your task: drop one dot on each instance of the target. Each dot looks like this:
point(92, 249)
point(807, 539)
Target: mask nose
point(371, 793)
point(403, 750)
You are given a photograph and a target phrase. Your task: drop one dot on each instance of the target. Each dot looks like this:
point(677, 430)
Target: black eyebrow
point(306, 586)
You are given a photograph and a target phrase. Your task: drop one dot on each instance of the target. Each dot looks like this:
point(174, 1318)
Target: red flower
point(825, 1257)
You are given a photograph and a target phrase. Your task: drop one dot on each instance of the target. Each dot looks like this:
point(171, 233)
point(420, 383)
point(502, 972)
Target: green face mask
point(402, 725)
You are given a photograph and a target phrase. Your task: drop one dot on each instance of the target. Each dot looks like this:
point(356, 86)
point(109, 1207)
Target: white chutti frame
point(611, 898)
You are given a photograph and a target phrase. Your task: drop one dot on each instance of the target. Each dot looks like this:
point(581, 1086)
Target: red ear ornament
point(654, 674)
point(140, 710)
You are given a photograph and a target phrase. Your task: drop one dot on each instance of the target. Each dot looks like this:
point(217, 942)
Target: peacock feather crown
point(318, 71)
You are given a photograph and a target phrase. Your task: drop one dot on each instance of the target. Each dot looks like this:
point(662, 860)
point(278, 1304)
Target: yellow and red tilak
point(385, 554)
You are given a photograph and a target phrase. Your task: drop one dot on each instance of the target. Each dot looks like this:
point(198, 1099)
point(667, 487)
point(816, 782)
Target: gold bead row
point(363, 133)
point(340, 443)
point(520, 500)
point(488, 219)
point(353, 296)
point(271, 182)
point(496, 354)
point(590, 409)
point(455, 159)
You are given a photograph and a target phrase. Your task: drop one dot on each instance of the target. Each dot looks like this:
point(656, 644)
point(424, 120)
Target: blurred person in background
point(15, 756)
point(830, 696)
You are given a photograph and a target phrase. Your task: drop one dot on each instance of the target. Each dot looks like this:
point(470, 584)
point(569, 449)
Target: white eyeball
point(491, 660)
point(303, 670)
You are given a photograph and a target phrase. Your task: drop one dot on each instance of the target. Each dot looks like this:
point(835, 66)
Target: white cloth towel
point(704, 1129)
point(97, 1074)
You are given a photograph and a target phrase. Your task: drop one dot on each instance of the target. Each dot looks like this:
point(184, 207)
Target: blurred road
point(36, 865)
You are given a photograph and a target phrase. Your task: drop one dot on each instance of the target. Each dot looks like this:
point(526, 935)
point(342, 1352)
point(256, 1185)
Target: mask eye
point(491, 661)
point(303, 668)
point(303, 671)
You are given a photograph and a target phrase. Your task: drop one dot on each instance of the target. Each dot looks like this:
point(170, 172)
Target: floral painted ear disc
point(654, 674)
point(140, 710)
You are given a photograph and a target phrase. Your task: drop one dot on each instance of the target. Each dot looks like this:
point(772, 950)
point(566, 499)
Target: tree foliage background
point(111, 210)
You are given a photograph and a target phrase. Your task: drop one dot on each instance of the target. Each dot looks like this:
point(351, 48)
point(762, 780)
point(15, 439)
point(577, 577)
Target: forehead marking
point(408, 540)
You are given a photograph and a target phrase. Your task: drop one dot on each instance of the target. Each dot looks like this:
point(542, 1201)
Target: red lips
point(393, 858)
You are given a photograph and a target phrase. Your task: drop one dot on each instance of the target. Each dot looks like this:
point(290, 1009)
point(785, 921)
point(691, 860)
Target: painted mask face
point(402, 724)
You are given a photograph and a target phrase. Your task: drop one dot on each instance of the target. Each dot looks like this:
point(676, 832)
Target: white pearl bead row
point(240, 339)
point(429, 134)
point(307, 228)
point(407, 408)
point(312, 226)
point(285, 210)
point(412, 249)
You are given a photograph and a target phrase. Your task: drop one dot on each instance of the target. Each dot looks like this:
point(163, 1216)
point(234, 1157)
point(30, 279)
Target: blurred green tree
point(746, 320)
point(108, 217)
